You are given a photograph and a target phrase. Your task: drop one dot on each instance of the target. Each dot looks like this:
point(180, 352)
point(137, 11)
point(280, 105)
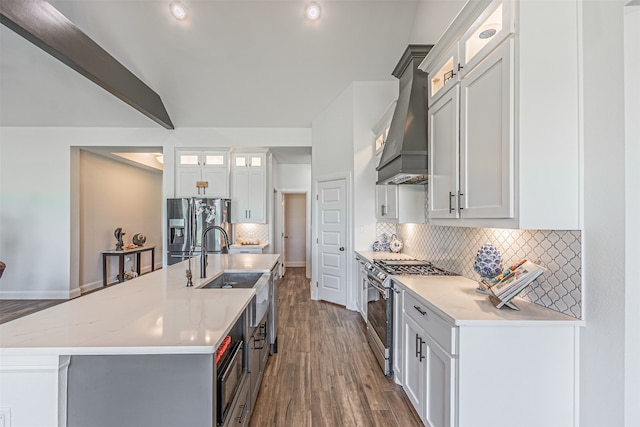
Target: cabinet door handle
point(417, 343)
point(382, 210)
point(460, 200)
point(421, 357)
point(460, 67)
point(451, 195)
point(420, 310)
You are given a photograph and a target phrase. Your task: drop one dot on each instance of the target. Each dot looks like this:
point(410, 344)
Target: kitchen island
point(154, 315)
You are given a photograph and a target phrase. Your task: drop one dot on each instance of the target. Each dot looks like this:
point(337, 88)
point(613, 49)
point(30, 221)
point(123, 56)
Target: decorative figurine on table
point(118, 235)
point(488, 264)
point(131, 274)
point(138, 239)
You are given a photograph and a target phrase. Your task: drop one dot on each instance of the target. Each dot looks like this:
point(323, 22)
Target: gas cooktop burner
point(411, 266)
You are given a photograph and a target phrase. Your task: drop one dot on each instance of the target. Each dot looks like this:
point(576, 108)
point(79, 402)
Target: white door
point(332, 236)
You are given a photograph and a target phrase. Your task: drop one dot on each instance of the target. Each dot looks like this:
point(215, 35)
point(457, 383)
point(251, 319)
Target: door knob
point(342, 248)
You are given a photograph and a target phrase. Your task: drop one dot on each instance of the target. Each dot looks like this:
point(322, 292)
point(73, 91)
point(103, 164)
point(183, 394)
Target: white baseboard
point(295, 263)
point(87, 287)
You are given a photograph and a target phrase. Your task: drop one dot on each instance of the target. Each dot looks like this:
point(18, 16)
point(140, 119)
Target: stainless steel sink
point(234, 280)
point(259, 304)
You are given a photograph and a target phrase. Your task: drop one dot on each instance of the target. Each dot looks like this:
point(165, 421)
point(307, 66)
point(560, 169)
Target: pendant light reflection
point(312, 11)
point(178, 10)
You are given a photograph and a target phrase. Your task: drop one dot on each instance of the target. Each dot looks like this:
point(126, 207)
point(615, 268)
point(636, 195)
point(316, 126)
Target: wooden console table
point(121, 254)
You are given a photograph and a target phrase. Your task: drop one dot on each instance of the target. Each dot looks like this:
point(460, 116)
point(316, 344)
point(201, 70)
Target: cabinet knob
point(341, 248)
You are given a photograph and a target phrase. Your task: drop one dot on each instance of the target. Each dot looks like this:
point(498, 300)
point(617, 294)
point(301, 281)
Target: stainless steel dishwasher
point(274, 282)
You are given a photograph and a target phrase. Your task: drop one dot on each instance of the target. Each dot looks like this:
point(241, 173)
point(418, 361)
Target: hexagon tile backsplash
point(455, 248)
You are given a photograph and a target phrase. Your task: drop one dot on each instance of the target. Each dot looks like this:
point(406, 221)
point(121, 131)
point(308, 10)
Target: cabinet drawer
point(441, 331)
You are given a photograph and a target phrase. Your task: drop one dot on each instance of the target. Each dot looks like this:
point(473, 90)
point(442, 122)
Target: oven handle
point(373, 279)
point(379, 288)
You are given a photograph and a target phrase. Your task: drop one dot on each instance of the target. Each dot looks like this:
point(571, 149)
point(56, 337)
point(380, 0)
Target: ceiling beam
point(43, 25)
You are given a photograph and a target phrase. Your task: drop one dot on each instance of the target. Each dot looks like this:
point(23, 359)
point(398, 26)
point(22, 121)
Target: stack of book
point(514, 282)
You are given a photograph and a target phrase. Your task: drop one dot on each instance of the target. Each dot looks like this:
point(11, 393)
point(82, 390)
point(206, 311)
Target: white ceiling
point(232, 63)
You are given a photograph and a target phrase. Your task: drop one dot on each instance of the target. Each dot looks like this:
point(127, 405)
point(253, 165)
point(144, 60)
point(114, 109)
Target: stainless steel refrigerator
point(186, 220)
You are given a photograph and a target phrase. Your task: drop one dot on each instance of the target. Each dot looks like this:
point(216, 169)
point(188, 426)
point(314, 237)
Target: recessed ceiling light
point(178, 10)
point(312, 11)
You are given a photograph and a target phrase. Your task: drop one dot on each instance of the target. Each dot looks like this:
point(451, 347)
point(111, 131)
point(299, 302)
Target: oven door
point(229, 379)
point(379, 327)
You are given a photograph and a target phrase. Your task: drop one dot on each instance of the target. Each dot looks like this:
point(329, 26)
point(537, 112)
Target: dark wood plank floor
point(324, 373)
point(11, 309)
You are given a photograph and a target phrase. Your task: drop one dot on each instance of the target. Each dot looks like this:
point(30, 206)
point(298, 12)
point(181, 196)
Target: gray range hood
point(404, 157)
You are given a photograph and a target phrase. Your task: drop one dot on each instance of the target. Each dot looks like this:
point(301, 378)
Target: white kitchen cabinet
point(414, 373)
point(248, 188)
point(518, 155)
point(471, 146)
point(361, 288)
point(202, 173)
point(429, 376)
point(444, 149)
point(245, 250)
point(400, 204)
point(461, 356)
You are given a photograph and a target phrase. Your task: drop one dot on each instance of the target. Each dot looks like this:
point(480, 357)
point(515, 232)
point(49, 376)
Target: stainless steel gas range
point(380, 302)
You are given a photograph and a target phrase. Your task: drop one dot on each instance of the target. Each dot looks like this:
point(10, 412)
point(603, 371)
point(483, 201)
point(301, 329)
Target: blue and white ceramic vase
point(488, 262)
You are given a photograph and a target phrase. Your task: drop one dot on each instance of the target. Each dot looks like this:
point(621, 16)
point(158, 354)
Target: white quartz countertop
point(153, 314)
point(456, 300)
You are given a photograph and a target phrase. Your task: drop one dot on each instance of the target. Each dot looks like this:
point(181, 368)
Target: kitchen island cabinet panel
point(141, 390)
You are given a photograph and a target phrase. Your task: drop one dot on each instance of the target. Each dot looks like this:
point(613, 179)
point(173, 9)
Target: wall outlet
point(5, 417)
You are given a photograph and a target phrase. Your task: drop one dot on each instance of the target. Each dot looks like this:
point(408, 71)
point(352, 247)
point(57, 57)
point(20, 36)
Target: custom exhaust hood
point(404, 157)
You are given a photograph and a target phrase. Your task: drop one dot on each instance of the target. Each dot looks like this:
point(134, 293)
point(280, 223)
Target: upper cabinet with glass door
point(202, 173)
point(459, 57)
point(445, 76)
point(491, 28)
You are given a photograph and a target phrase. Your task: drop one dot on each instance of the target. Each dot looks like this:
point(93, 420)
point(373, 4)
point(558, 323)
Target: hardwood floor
point(11, 309)
point(324, 373)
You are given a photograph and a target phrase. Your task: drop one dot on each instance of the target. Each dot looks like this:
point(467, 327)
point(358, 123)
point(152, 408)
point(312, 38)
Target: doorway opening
point(114, 187)
point(292, 223)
